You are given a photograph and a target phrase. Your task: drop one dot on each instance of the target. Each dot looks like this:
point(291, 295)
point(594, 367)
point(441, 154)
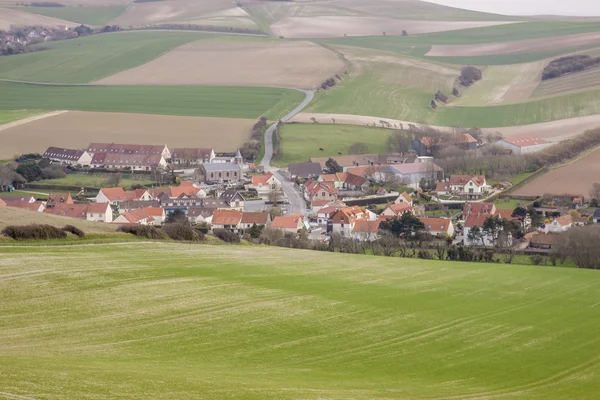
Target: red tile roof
point(479, 180)
point(118, 194)
point(261, 180)
point(227, 217)
point(287, 222)
point(525, 141)
point(400, 208)
point(35, 206)
point(436, 224)
point(366, 226)
point(348, 215)
point(442, 187)
point(258, 218)
point(98, 208)
point(68, 210)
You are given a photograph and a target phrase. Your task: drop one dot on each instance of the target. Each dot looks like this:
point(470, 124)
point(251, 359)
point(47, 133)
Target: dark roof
point(305, 170)
point(191, 154)
point(63, 154)
point(231, 195)
point(200, 211)
point(134, 204)
point(597, 213)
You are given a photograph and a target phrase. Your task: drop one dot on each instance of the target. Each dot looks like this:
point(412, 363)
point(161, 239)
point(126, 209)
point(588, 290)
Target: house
point(68, 156)
point(475, 214)
point(558, 225)
point(229, 159)
point(596, 217)
point(221, 172)
point(264, 184)
point(135, 162)
point(131, 149)
point(184, 190)
point(470, 186)
point(438, 226)
point(17, 199)
point(254, 218)
point(78, 211)
point(199, 215)
point(115, 196)
point(140, 216)
point(290, 223)
point(234, 199)
point(314, 190)
point(543, 241)
point(427, 146)
point(410, 174)
point(325, 214)
point(443, 188)
point(367, 160)
point(192, 156)
point(367, 230)
point(345, 219)
point(307, 170)
point(404, 198)
point(99, 212)
point(227, 219)
point(381, 191)
point(38, 206)
point(524, 145)
point(398, 209)
point(58, 198)
point(345, 180)
point(129, 205)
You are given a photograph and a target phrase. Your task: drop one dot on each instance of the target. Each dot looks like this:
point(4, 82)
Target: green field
point(91, 58)
point(94, 181)
point(213, 101)
point(7, 116)
point(102, 15)
point(173, 321)
point(299, 142)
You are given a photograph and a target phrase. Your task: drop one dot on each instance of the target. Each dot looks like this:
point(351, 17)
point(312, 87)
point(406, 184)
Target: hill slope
point(238, 322)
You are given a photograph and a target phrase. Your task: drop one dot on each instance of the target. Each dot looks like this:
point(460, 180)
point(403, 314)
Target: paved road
point(296, 201)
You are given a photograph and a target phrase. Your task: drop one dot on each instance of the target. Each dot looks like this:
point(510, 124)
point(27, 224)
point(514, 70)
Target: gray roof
point(305, 170)
point(597, 213)
point(216, 167)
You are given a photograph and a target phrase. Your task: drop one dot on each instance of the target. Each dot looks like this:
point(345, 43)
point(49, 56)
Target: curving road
point(296, 201)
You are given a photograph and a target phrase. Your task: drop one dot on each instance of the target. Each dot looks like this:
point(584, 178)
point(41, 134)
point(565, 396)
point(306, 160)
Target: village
point(349, 196)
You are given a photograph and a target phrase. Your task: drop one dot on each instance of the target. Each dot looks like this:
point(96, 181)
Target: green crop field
point(93, 181)
point(299, 142)
point(102, 15)
point(205, 101)
point(7, 116)
point(172, 321)
point(91, 58)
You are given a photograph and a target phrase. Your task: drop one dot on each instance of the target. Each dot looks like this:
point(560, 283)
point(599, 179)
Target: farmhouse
point(306, 170)
point(131, 149)
point(68, 156)
point(524, 145)
point(221, 172)
point(192, 156)
point(264, 184)
point(475, 214)
point(543, 241)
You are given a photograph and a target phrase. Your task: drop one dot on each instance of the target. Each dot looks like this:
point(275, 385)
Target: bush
point(469, 75)
point(182, 232)
point(144, 231)
point(30, 232)
point(226, 236)
point(74, 230)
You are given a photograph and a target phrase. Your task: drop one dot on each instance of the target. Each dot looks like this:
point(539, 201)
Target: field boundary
point(31, 119)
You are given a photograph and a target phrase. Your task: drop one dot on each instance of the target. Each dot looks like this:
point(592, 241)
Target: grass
point(204, 101)
point(17, 216)
point(102, 15)
point(94, 181)
point(510, 204)
point(7, 116)
point(175, 321)
point(91, 58)
point(299, 142)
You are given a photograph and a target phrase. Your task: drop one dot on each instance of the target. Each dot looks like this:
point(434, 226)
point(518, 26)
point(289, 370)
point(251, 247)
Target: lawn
point(101, 15)
point(510, 204)
point(204, 101)
point(93, 181)
point(175, 321)
point(7, 116)
point(299, 142)
point(92, 58)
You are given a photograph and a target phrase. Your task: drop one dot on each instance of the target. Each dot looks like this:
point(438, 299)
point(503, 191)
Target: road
point(296, 201)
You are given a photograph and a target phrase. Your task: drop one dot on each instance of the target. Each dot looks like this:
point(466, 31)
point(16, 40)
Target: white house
point(438, 226)
point(524, 145)
point(470, 186)
point(410, 174)
point(475, 214)
point(264, 184)
point(68, 156)
point(345, 219)
point(559, 225)
point(115, 196)
point(99, 212)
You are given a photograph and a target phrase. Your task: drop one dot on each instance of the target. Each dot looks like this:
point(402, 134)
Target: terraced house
point(68, 156)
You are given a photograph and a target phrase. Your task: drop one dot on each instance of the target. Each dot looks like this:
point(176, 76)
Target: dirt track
point(247, 63)
point(518, 46)
point(76, 129)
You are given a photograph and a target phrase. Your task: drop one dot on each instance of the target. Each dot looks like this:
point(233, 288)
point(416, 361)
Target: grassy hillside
point(299, 142)
point(235, 102)
point(91, 58)
point(101, 15)
point(234, 322)
point(7, 116)
point(17, 216)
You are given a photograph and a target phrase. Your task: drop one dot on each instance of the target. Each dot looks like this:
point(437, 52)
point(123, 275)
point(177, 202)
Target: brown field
point(76, 129)
point(17, 216)
point(10, 17)
point(518, 46)
point(553, 131)
point(337, 26)
point(172, 10)
point(576, 178)
point(233, 63)
point(577, 82)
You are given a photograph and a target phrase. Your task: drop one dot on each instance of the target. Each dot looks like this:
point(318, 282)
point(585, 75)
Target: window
point(228, 174)
point(442, 226)
point(323, 194)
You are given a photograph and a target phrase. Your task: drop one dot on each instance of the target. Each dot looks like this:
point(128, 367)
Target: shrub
point(29, 232)
point(74, 230)
point(182, 232)
point(226, 236)
point(144, 231)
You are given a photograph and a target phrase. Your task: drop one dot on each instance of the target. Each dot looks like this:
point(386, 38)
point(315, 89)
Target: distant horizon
point(574, 8)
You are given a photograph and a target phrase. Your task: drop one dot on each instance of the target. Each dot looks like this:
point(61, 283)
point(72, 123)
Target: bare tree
point(580, 244)
point(399, 142)
point(595, 191)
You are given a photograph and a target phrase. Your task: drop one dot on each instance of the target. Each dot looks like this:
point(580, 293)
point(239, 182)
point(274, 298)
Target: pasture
point(576, 178)
point(201, 101)
point(99, 15)
point(76, 129)
point(176, 321)
point(237, 61)
point(299, 142)
point(91, 58)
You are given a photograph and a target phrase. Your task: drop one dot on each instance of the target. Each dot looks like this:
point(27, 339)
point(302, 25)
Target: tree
point(521, 214)
point(407, 226)
point(275, 212)
point(30, 171)
point(595, 191)
point(580, 244)
point(177, 217)
point(358, 148)
point(333, 166)
point(9, 177)
point(274, 196)
point(398, 142)
point(255, 231)
point(114, 179)
point(476, 236)
point(404, 33)
point(492, 226)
